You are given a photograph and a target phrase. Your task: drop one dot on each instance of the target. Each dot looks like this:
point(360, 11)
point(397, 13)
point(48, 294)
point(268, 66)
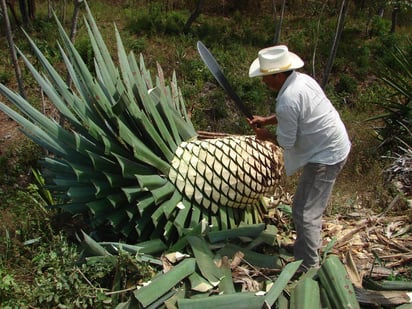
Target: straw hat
point(274, 60)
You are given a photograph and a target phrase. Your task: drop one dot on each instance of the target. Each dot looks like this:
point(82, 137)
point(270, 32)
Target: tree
point(278, 26)
point(75, 19)
point(13, 53)
point(397, 7)
point(13, 11)
point(339, 29)
point(195, 14)
point(49, 8)
point(317, 38)
point(27, 10)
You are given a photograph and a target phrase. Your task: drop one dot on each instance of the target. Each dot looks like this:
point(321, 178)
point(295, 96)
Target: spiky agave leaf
point(129, 154)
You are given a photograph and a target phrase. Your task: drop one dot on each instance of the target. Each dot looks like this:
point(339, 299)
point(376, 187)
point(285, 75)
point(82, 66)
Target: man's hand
point(265, 135)
point(261, 121)
point(258, 122)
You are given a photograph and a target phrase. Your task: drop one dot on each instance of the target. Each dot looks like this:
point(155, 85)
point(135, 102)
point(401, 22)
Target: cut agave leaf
point(306, 295)
point(204, 259)
point(242, 231)
point(162, 284)
point(281, 282)
point(335, 280)
point(93, 248)
point(238, 301)
point(226, 285)
point(252, 257)
point(199, 284)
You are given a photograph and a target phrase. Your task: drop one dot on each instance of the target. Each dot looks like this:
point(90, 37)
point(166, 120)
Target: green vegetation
point(397, 75)
point(39, 256)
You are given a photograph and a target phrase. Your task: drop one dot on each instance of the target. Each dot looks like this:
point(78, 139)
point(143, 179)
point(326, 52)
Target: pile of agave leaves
point(249, 266)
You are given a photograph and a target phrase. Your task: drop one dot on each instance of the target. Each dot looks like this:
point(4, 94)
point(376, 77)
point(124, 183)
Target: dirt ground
point(9, 130)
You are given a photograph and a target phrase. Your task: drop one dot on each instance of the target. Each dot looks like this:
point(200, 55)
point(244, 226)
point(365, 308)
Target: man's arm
point(265, 135)
point(263, 121)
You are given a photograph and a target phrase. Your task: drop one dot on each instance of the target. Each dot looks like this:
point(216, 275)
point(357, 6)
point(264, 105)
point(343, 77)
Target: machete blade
point(217, 73)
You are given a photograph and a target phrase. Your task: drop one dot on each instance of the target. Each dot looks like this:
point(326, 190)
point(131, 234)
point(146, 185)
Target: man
point(313, 137)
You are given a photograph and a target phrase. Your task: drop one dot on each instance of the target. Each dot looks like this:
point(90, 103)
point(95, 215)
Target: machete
point(214, 68)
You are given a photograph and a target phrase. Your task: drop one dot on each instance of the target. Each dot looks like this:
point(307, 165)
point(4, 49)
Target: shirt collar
point(287, 82)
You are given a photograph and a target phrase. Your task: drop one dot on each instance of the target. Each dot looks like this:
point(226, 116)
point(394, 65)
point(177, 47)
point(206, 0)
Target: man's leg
point(310, 200)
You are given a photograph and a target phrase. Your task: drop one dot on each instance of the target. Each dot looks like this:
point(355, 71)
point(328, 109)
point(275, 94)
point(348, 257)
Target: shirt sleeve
point(288, 119)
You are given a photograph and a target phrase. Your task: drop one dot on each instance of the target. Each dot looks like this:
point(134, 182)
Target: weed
point(138, 45)
point(85, 49)
point(8, 286)
point(59, 281)
point(17, 160)
point(5, 76)
point(346, 84)
point(379, 26)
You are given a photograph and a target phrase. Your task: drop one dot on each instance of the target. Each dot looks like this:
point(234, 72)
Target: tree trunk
point(275, 19)
point(317, 39)
point(394, 18)
point(195, 14)
point(13, 12)
point(49, 9)
point(339, 29)
point(27, 10)
point(278, 27)
point(31, 9)
point(362, 4)
point(63, 11)
point(23, 11)
point(13, 54)
point(75, 19)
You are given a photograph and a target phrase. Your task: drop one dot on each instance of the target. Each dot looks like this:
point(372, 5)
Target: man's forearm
point(265, 135)
point(271, 120)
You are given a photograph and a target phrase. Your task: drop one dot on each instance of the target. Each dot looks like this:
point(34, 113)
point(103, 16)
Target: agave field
point(200, 219)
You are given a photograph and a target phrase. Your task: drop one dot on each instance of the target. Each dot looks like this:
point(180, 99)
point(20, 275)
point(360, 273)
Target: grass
point(38, 252)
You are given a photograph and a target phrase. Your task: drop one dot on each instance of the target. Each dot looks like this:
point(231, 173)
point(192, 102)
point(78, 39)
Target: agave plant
point(128, 154)
point(397, 115)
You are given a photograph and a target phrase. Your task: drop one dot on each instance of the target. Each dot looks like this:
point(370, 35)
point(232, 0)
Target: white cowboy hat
point(274, 60)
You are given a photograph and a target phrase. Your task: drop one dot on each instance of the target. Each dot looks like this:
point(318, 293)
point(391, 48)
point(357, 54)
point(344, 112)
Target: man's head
point(276, 81)
point(274, 60)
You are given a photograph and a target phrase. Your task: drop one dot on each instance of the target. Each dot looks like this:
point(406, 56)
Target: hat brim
point(254, 70)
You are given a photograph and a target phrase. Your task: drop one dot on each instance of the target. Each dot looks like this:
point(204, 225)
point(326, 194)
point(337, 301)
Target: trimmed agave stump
point(128, 155)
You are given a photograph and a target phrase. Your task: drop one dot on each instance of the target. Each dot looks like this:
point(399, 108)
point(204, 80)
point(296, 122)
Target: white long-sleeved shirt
point(309, 129)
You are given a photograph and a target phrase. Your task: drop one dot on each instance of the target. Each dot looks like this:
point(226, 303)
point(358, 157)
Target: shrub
point(5, 76)
point(60, 282)
point(8, 286)
point(17, 160)
point(397, 117)
point(174, 23)
point(85, 49)
point(379, 26)
point(346, 84)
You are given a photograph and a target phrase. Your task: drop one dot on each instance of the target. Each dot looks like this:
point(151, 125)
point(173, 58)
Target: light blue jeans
point(311, 198)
